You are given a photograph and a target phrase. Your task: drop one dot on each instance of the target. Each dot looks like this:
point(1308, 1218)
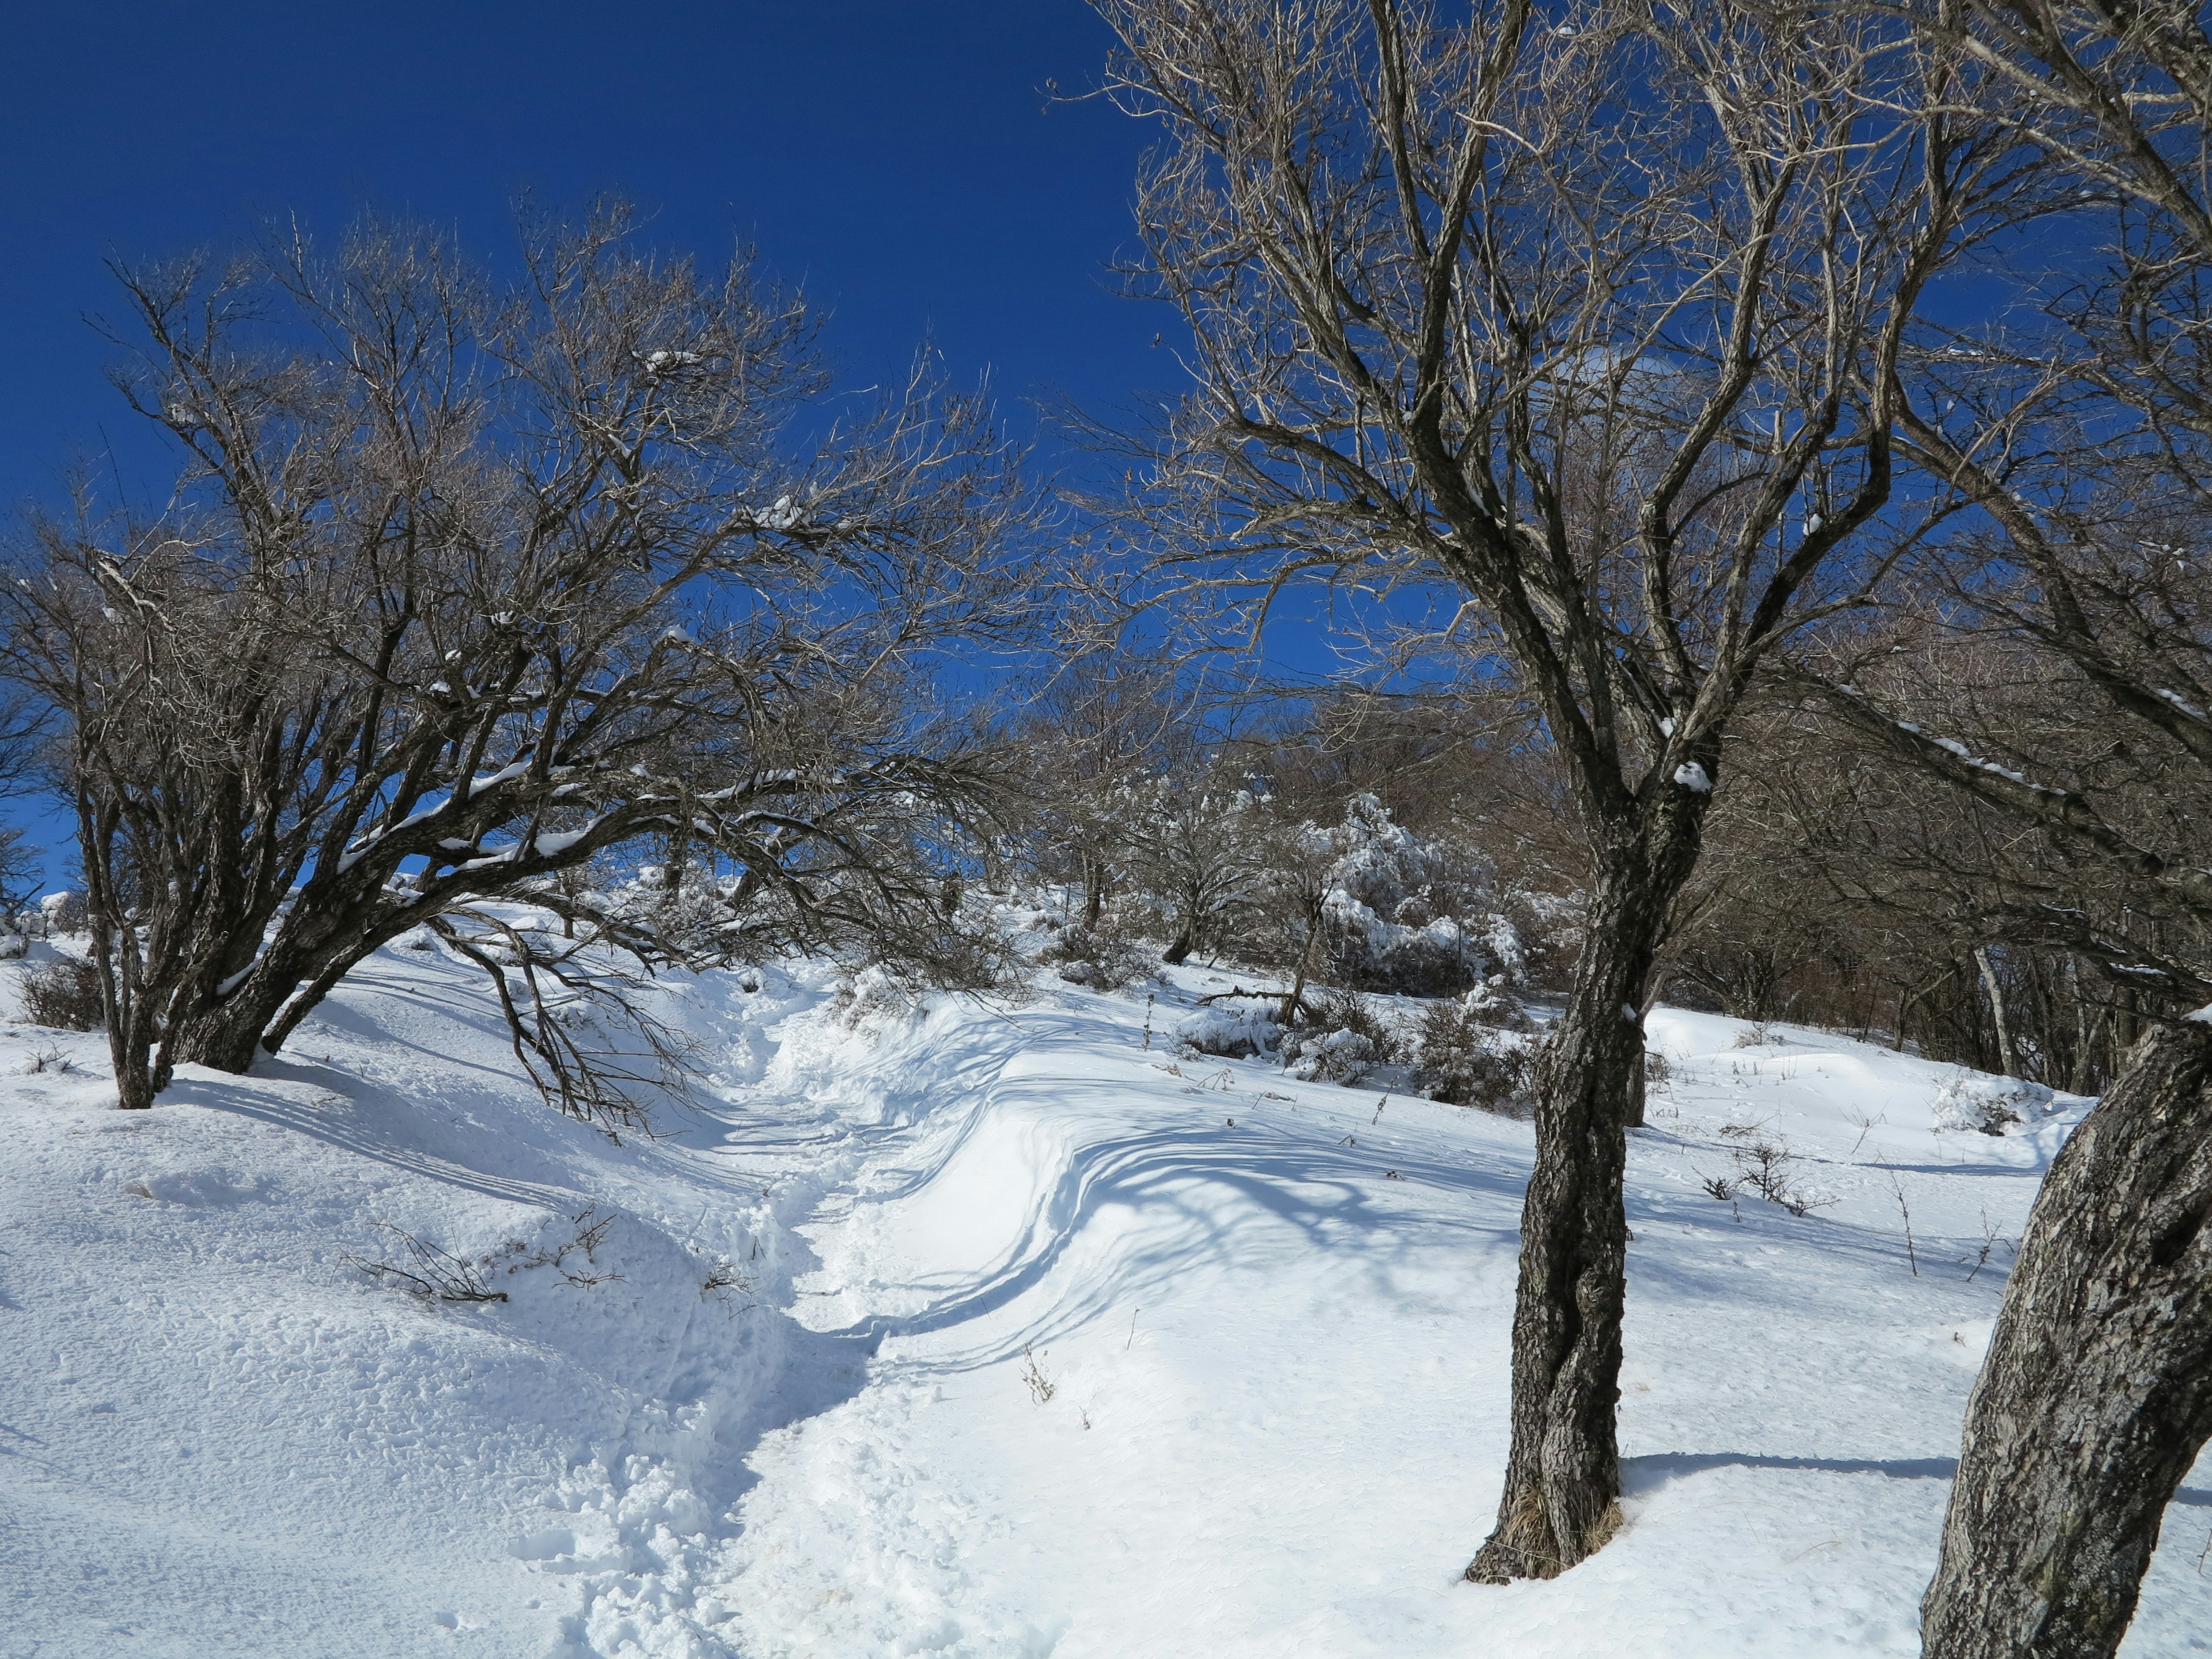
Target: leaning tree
point(465, 585)
point(1585, 324)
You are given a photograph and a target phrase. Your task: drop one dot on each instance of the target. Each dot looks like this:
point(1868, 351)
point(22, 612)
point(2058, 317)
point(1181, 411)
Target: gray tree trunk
point(2097, 1394)
point(1562, 1473)
point(2008, 1056)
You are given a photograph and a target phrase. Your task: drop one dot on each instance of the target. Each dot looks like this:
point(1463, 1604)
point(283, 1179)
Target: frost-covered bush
point(1491, 1004)
point(1230, 1031)
point(1105, 957)
point(1196, 847)
point(13, 945)
point(1394, 911)
point(1470, 1052)
point(63, 912)
point(870, 995)
point(1347, 1040)
point(1337, 1056)
point(1987, 1104)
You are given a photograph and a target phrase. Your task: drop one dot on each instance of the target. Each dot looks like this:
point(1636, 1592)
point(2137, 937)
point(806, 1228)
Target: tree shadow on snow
point(1204, 1187)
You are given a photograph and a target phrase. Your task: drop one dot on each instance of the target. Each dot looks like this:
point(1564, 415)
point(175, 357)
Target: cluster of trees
point(1742, 618)
point(1286, 848)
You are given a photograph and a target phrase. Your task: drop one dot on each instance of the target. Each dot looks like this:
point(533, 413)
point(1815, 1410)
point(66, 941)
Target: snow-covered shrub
point(1338, 1056)
point(1393, 911)
point(1230, 1031)
point(1104, 957)
point(63, 912)
point(1491, 1004)
point(1987, 1104)
point(1347, 1040)
point(1196, 848)
point(13, 945)
point(64, 994)
point(871, 993)
point(1469, 1052)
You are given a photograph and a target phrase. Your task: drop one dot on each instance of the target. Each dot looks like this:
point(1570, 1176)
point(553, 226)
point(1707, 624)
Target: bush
point(64, 994)
point(63, 912)
point(1347, 1040)
point(1105, 957)
point(1229, 1031)
point(1400, 913)
point(1986, 1105)
point(1466, 1060)
point(1338, 1056)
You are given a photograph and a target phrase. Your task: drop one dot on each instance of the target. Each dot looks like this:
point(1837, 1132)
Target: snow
point(973, 1331)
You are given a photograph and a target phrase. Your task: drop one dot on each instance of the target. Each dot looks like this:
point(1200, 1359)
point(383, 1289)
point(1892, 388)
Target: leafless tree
point(2075, 435)
point(1584, 324)
point(1104, 724)
point(463, 585)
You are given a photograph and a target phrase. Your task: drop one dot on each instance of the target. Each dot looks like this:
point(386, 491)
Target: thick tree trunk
point(227, 1035)
point(1562, 1473)
point(2097, 1394)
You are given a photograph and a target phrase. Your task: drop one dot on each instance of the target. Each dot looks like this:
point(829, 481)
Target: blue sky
point(899, 160)
point(906, 163)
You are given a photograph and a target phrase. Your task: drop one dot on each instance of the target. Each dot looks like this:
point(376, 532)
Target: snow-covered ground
point(980, 1331)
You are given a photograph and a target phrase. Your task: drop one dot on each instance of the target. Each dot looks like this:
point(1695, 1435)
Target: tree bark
point(2008, 1056)
point(1562, 1473)
point(2097, 1394)
point(1094, 890)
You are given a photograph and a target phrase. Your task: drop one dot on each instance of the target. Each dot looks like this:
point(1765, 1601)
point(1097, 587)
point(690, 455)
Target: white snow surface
point(974, 1332)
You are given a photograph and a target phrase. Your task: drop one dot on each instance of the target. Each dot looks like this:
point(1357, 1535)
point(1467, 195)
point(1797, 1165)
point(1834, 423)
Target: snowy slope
point(976, 1332)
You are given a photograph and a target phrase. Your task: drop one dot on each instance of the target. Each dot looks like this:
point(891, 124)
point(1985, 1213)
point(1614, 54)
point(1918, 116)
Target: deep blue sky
point(898, 160)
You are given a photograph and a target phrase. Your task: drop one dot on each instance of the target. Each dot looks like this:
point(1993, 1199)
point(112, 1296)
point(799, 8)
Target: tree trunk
point(227, 1037)
point(1562, 1473)
point(2007, 1055)
point(2097, 1394)
point(1297, 991)
point(1094, 890)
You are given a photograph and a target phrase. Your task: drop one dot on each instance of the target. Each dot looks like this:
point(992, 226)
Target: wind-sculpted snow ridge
point(975, 1331)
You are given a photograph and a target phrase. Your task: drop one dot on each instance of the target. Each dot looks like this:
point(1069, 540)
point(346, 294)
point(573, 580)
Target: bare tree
point(1588, 329)
point(1104, 723)
point(466, 587)
point(2075, 436)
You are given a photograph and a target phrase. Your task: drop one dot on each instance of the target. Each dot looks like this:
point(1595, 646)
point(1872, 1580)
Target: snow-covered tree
point(1197, 843)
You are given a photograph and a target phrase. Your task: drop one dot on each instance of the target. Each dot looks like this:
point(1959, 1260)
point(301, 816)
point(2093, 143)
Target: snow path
point(978, 1333)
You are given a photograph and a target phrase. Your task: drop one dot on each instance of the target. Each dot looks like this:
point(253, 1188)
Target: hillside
point(978, 1331)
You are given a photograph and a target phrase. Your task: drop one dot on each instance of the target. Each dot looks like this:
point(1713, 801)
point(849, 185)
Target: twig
point(1898, 1186)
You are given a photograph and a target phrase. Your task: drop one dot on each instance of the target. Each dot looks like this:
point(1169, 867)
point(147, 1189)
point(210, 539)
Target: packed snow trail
point(977, 1332)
